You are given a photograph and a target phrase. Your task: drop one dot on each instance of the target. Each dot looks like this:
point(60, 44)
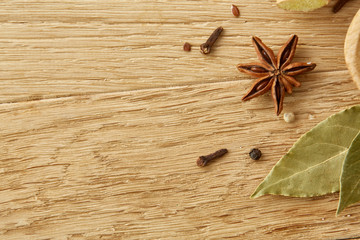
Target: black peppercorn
point(255, 154)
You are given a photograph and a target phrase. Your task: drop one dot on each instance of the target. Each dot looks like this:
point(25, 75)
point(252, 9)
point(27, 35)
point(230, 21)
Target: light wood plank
point(57, 48)
point(103, 116)
point(122, 165)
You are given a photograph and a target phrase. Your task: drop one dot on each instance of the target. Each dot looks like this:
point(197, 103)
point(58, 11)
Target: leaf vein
point(337, 125)
point(332, 144)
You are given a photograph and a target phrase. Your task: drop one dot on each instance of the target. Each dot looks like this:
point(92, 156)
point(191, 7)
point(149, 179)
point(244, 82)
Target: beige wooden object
point(351, 49)
point(103, 116)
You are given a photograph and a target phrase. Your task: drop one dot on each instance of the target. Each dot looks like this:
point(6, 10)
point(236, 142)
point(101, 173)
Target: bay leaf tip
point(257, 193)
point(340, 208)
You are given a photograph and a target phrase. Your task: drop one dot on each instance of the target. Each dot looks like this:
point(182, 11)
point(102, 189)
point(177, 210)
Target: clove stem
point(338, 5)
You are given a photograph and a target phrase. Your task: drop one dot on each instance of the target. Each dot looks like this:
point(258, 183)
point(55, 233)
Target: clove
point(204, 160)
point(205, 48)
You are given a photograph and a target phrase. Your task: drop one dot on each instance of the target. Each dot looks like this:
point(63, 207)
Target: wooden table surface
point(103, 116)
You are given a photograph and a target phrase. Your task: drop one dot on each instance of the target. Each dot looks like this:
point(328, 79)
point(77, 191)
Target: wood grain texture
point(103, 116)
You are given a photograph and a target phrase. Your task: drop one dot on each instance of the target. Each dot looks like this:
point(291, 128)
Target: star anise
point(276, 73)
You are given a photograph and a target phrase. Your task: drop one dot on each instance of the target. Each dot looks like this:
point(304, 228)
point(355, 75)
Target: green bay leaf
point(312, 167)
point(350, 177)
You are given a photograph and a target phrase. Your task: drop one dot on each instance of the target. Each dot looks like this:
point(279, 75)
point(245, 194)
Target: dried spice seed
point(276, 73)
point(338, 5)
point(289, 117)
point(255, 154)
point(235, 11)
point(187, 47)
point(205, 48)
point(204, 160)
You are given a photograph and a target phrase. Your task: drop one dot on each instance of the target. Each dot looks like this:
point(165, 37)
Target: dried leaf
point(350, 177)
point(301, 5)
point(312, 167)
